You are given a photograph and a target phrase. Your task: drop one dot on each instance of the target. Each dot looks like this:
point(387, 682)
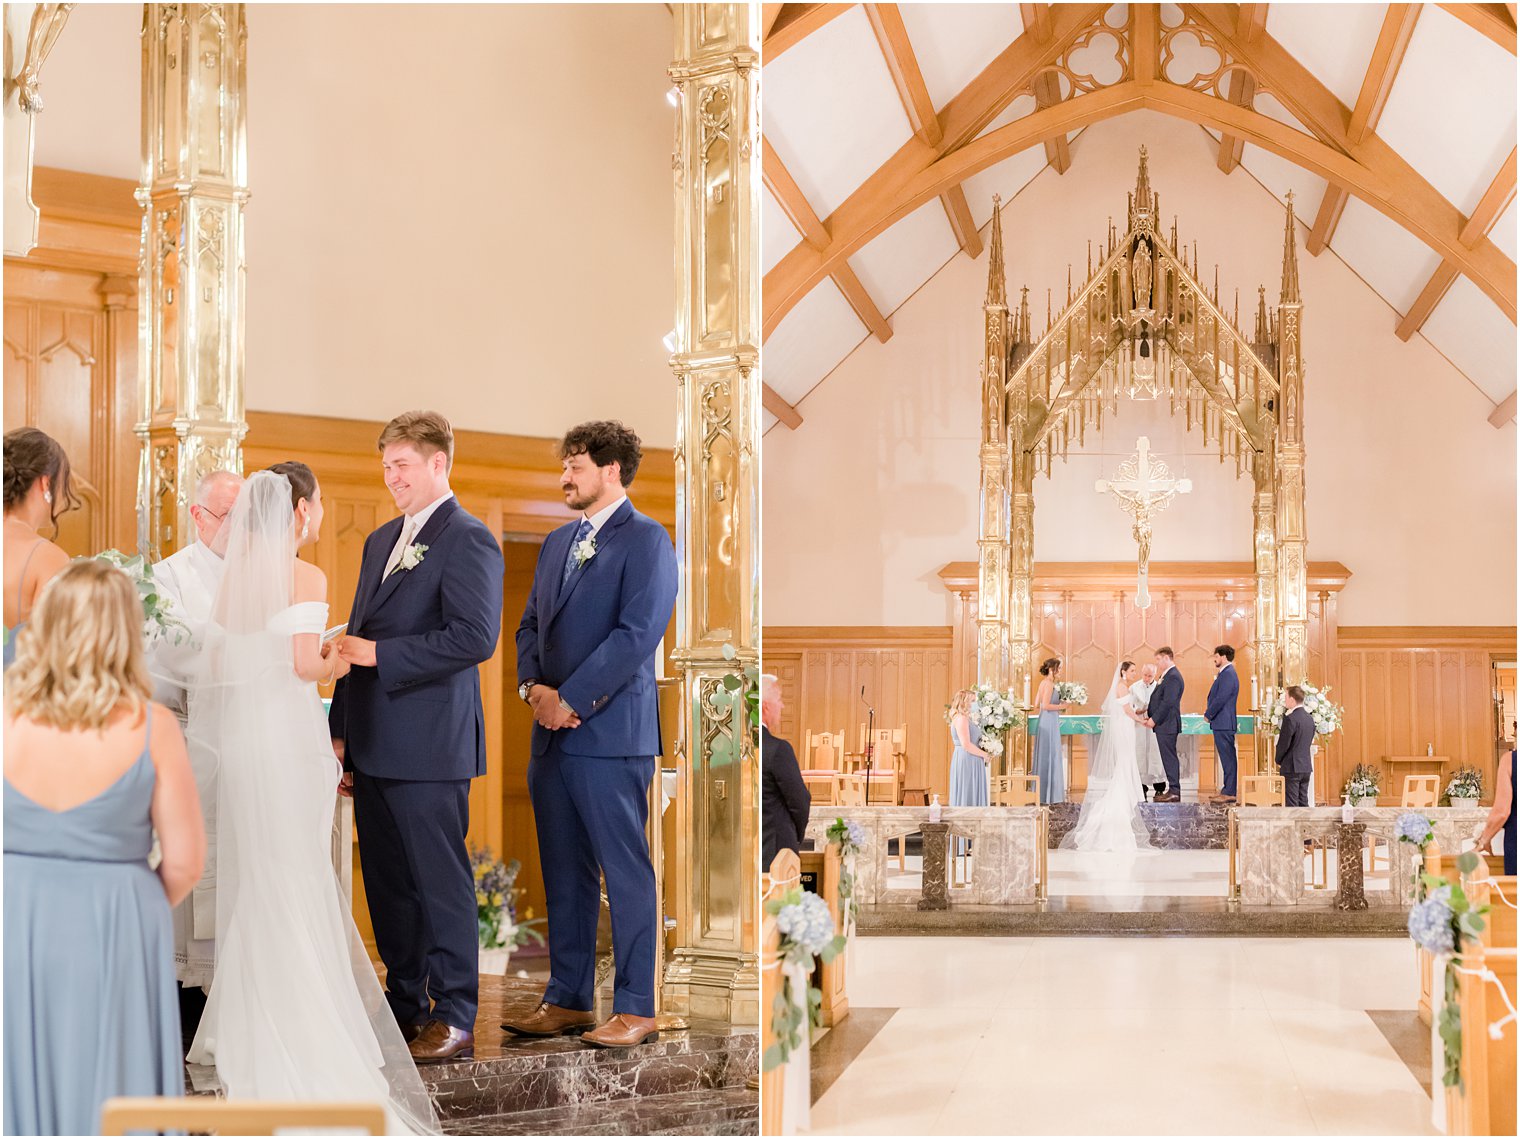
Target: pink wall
point(1408, 484)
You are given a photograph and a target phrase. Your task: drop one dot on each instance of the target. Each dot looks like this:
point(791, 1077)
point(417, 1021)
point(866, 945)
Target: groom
point(408, 725)
point(602, 596)
point(1164, 717)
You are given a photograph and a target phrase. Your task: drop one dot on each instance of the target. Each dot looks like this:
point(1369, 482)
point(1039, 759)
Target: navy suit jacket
point(1294, 739)
point(1223, 694)
point(416, 715)
point(595, 638)
point(1165, 705)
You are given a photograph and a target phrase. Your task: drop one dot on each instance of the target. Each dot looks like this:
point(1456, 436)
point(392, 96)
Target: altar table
point(1193, 726)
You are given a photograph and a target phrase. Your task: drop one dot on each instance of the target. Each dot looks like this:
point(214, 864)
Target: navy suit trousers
point(1224, 747)
point(590, 812)
point(1166, 743)
point(421, 895)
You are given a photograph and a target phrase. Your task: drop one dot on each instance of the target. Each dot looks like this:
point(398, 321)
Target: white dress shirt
point(410, 529)
point(599, 519)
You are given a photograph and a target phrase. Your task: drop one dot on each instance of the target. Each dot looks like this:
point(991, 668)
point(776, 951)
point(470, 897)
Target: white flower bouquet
point(994, 711)
point(1071, 692)
point(160, 621)
point(1326, 713)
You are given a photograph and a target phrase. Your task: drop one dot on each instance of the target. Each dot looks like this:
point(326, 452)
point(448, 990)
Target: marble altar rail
point(1272, 840)
point(1005, 844)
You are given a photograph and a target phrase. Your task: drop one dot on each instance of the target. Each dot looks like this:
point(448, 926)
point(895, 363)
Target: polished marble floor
point(1106, 1036)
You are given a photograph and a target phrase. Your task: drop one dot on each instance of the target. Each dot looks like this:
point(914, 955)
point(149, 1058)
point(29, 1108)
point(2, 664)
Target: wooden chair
point(822, 786)
point(210, 1115)
point(1015, 791)
point(823, 751)
point(851, 790)
point(1421, 791)
point(1263, 790)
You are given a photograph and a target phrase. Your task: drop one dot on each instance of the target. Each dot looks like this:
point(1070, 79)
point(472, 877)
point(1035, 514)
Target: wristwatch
point(524, 689)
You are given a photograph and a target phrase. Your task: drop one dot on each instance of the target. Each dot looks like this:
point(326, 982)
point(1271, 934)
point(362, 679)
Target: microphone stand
point(870, 739)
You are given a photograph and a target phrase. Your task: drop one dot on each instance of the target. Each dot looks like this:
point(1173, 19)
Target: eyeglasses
point(214, 514)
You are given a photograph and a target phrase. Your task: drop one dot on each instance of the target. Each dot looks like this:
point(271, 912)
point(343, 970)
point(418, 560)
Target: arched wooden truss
point(1245, 390)
point(1343, 147)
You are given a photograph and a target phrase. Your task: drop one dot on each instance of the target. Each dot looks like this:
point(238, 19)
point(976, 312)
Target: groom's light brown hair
point(426, 430)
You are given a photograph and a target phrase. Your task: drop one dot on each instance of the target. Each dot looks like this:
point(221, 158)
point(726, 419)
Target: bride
point(295, 1011)
point(1110, 816)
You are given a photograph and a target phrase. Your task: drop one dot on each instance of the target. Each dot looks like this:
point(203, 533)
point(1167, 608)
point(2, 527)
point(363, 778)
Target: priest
point(189, 578)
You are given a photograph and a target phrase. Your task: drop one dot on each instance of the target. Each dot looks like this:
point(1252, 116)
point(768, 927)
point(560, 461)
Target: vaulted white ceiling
point(1432, 86)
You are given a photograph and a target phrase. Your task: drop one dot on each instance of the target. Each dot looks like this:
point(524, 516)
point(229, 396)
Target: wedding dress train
point(295, 1010)
point(1110, 816)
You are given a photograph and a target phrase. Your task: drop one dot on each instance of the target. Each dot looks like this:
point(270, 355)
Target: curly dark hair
point(303, 484)
point(1226, 651)
point(1050, 666)
point(30, 455)
point(605, 441)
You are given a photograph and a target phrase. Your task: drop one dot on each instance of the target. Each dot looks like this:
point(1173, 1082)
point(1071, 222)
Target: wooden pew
point(784, 873)
point(1484, 1102)
point(1442, 865)
point(830, 978)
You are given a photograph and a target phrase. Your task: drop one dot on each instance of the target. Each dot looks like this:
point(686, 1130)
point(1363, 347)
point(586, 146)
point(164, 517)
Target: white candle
point(1255, 703)
point(1026, 690)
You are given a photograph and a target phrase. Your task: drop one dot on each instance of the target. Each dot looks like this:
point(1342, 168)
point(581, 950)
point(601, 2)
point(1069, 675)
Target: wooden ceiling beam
point(1377, 83)
point(769, 14)
point(1047, 86)
point(854, 291)
point(785, 412)
point(1250, 23)
point(1495, 200)
point(1440, 281)
point(1383, 69)
point(1503, 412)
point(1496, 21)
point(794, 23)
point(897, 50)
point(959, 212)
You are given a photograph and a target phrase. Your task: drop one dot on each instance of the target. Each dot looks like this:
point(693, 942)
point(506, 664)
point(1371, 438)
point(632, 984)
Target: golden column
point(1292, 541)
point(992, 595)
point(191, 277)
point(714, 970)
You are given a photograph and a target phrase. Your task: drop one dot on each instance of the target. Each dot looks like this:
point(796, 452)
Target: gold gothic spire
point(1142, 202)
point(997, 285)
point(1290, 260)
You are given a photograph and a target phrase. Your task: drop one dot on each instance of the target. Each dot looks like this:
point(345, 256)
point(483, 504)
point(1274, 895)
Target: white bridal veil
point(1110, 816)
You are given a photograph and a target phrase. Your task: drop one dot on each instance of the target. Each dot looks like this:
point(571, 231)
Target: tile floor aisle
point(1181, 1036)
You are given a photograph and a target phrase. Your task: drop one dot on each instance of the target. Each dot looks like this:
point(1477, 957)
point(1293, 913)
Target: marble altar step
point(690, 1081)
point(1172, 826)
point(717, 1111)
point(1138, 917)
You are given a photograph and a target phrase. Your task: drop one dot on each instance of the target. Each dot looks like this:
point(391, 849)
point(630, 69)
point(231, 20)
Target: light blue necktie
point(581, 533)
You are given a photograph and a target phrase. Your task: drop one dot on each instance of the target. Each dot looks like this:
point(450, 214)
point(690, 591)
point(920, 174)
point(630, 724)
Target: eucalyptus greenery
point(807, 938)
point(159, 619)
point(851, 838)
point(1439, 923)
point(739, 697)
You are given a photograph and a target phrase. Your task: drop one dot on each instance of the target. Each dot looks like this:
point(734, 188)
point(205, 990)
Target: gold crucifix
point(1143, 487)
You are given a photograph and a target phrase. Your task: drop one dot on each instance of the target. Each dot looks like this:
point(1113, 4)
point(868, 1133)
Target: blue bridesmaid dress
point(1049, 763)
point(91, 1010)
point(968, 772)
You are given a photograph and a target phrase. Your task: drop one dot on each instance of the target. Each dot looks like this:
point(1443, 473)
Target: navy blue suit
point(1294, 759)
point(1165, 708)
point(594, 637)
point(1220, 713)
point(414, 736)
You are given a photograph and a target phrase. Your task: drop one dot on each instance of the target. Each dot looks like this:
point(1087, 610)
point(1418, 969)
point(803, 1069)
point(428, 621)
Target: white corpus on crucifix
point(1143, 487)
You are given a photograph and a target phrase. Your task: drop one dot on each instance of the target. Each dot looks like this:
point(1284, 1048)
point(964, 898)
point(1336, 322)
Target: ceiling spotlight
point(669, 340)
point(673, 96)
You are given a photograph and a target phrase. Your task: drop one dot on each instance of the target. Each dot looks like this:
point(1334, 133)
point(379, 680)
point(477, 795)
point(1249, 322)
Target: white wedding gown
point(1110, 820)
point(295, 1010)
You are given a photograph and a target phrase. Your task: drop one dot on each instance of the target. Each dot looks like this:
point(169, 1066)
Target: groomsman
point(190, 578)
point(1294, 739)
point(784, 798)
point(1220, 713)
point(602, 596)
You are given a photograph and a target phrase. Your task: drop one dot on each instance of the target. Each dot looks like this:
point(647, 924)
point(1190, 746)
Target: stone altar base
point(1074, 916)
point(1172, 826)
point(691, 1082)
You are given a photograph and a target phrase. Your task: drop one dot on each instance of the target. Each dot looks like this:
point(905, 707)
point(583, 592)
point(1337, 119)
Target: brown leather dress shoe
point(624, 1031)
point(438, 1041)
point(410, 1032)
point(551, 1020)
point(1167, 797)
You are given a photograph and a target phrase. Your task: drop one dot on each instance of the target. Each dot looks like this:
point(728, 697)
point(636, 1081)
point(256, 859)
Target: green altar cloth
point(1192, 725)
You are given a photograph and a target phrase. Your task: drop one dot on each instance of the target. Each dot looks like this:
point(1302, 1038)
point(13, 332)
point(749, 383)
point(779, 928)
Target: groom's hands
point(548, 710)
point(356, 650)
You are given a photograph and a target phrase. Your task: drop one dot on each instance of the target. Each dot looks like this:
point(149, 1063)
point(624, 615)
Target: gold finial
point(1261, 314)
point(997, 286)
point(1141, 201)
point(1290, 259)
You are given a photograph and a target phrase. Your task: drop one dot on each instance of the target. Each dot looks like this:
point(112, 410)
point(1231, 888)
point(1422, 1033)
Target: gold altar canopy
point(1142, 321)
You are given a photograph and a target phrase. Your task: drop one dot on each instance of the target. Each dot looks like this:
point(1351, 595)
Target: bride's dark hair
point(1050, 666)
point(303, 484)
point(1125, 666)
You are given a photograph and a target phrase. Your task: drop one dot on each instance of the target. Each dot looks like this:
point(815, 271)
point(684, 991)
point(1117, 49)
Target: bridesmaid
point(968, 764)
point(38, 490)
point(1049, 764)
point(92, 769)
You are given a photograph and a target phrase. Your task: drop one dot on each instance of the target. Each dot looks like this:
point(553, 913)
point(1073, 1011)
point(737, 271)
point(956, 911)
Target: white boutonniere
point(584, 550)
point(411, 557)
